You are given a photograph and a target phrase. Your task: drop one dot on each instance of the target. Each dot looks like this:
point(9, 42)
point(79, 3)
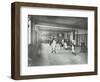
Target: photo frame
point(51, 40)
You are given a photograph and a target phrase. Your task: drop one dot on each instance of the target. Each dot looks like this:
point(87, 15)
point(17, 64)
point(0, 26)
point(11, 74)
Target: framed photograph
point(51, 40)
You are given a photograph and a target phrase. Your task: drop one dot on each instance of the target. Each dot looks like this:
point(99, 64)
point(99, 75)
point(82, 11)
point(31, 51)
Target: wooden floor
point(61, 57)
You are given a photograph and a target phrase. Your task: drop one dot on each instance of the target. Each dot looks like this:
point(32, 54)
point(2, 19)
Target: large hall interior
point(57, 40)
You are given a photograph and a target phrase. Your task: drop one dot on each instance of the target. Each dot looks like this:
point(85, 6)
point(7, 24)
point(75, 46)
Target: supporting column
point(73, 35)
point(33, 33)
point(65, 35)
point(77, 43)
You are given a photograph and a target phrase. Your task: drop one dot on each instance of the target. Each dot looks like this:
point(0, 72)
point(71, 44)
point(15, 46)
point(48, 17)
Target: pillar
point(73, 35)
point(33, 33)
point(65, 35)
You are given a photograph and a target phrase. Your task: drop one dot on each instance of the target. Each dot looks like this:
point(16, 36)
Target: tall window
point(29, 30)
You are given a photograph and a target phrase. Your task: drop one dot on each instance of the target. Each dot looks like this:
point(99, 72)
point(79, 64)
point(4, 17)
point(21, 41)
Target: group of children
point(62, 44)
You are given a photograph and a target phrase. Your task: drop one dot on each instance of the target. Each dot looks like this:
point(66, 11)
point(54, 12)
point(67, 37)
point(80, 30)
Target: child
point(53, 45)
point(73, 47)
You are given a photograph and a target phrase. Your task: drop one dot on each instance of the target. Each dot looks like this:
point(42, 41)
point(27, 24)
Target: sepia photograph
point(57, 40)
